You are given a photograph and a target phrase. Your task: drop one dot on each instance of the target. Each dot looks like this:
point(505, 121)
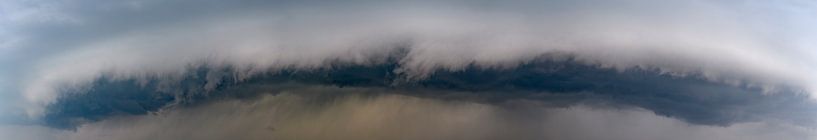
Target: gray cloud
point(723, 41)
point(559, 82)
point(50, 50)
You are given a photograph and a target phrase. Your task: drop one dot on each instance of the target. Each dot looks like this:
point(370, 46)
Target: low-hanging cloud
point(713, 62)
point(720, 40)
point(559, 82)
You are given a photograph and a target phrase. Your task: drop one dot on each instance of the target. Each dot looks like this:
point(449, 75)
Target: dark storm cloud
point(558, 82)
point(129, 39)
point(719, 63)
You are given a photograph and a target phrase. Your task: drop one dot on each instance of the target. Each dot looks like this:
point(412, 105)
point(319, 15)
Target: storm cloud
point(559, 82)
point(725, 66)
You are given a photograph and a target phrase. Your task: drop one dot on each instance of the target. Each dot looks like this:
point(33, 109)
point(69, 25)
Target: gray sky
point(49, 46)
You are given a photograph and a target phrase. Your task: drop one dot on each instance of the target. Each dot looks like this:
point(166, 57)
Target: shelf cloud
point(684, 66)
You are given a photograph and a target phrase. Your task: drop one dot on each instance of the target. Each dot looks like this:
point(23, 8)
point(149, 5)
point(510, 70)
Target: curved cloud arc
point(73, 46)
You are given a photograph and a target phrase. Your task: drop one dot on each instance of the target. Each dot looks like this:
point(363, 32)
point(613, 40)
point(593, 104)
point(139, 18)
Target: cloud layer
point(737, 64)
point(723, 41)
point(558, 80)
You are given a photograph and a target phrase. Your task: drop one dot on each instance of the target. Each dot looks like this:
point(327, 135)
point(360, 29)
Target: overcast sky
point(48, 47)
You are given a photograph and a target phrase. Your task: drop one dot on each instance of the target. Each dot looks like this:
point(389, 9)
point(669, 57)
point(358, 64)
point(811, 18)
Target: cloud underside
point(558, 83)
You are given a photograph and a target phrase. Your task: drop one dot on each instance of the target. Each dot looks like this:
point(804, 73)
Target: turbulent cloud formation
point(679, 37)
point(726, 66)
point(559, 82)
